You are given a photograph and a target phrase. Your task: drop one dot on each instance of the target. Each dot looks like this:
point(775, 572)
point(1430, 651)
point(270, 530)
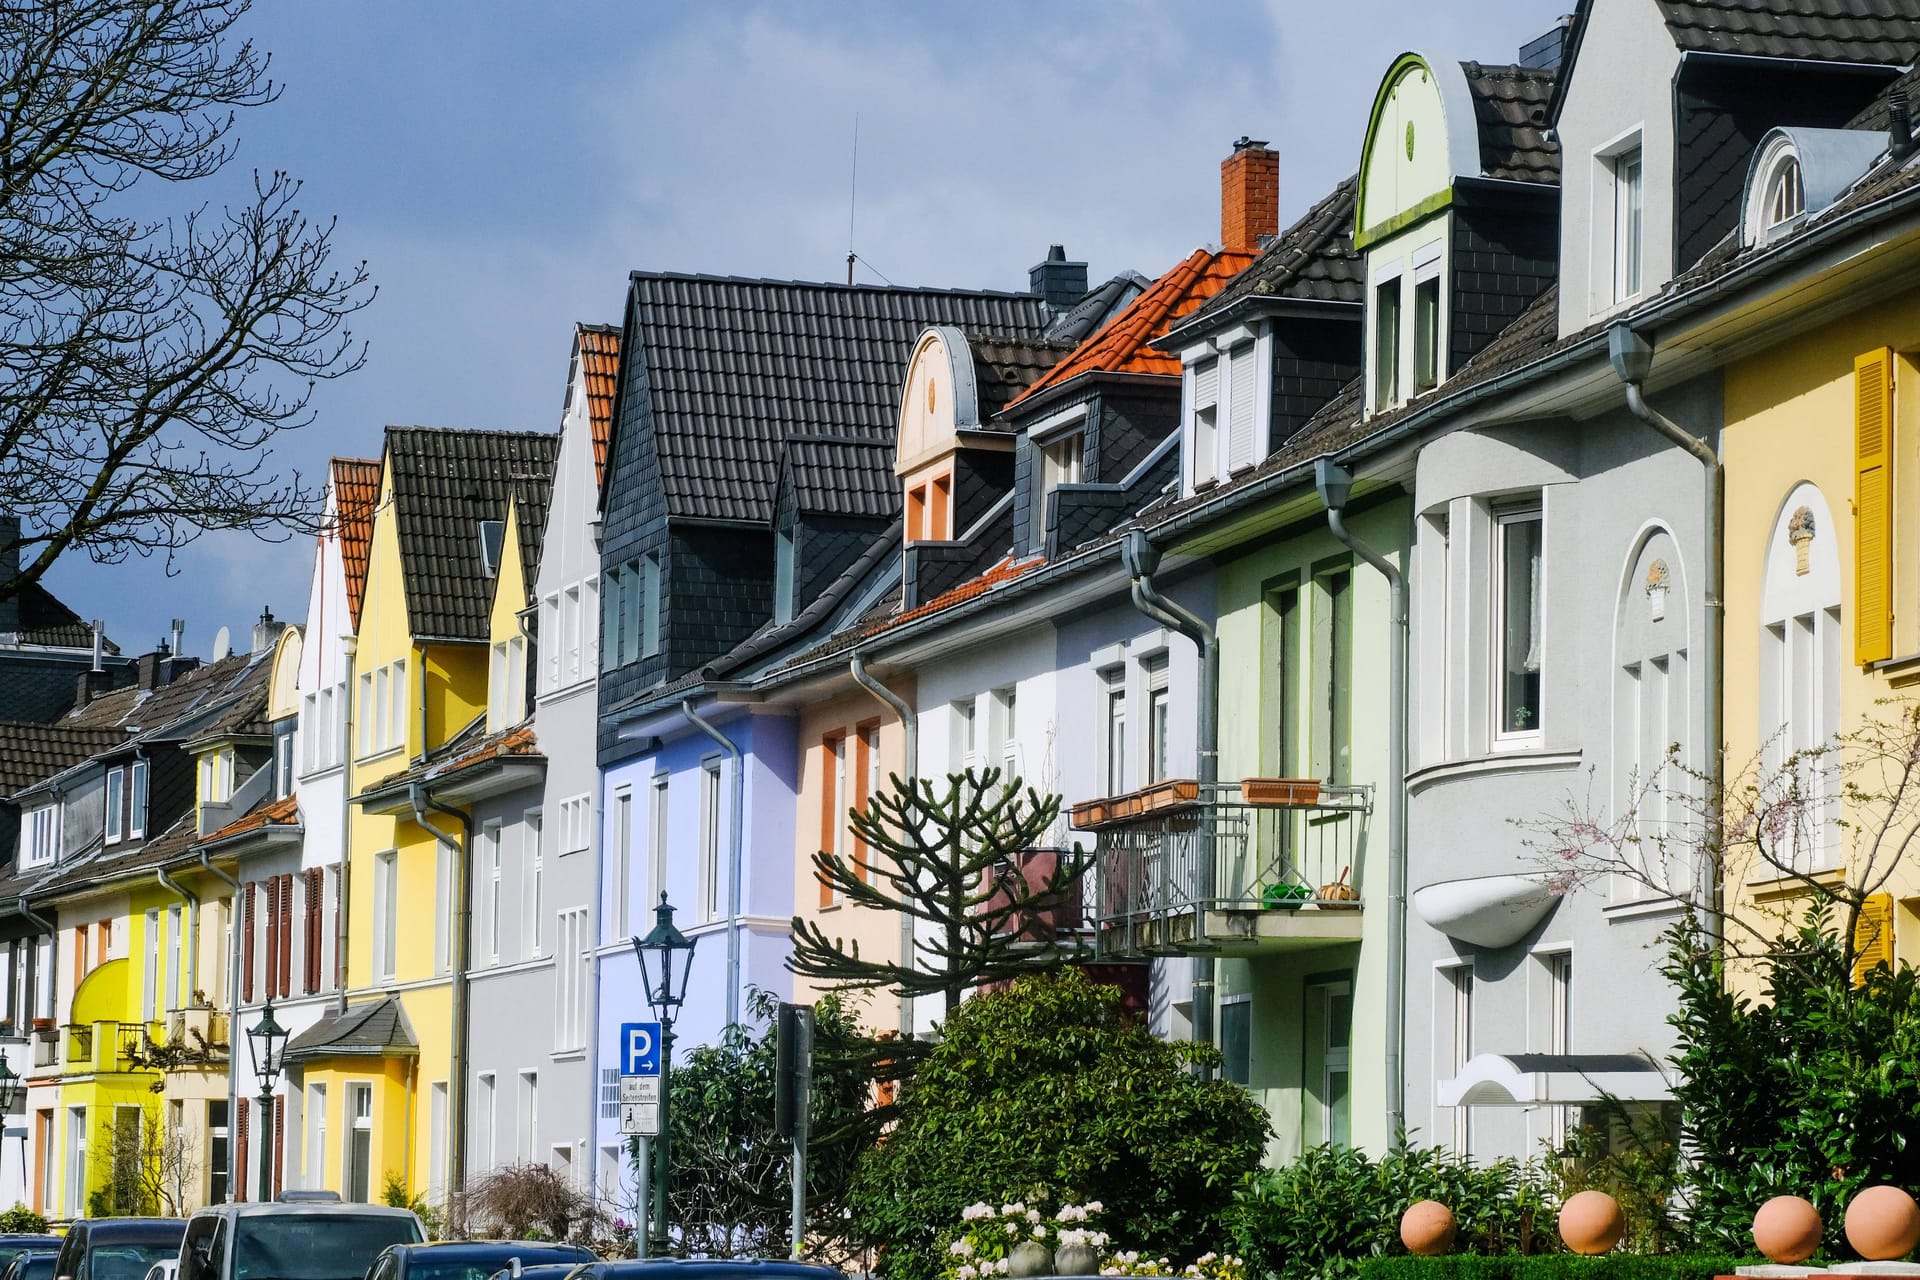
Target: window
point(917, 513)
point(217, 1151)
point(1236, 1039)
point(1242, 391)
point(397, 709)
point(650, 619)
point(216, 776)
point(1114, 739)
point(490, 900)
point(1559, 1038)
point(570, 980)
point(1800, 661)
point(507, 684)
point(1520, 637)
point(316, 1137)
point(1628, 218)
point(1786, 197)
point(170, 993)
point(534, 842)
point(939, 504)
point(1063, 458)
point(437, 1140)
point(571, 625)
point(1153, 674)
point(43, 835)
point(386, 916)
point(1453, 1023)
point(1283, 666)
point(150, 970)
point(282, 766)
point(137, 802)
point(576, 824)
point(783, 576)
point(1333, 678)
point(493, 539)
point(1330, 1056)
point(561, 1161)
point(366, 721)
point(1426, 334)
point(528, 1115)
point(1386, 343)
point(1006, 706)
point(710, 866)
point(76, 1161)
point(443, 891)
point(1206, 409)
point(485, 1120)
point(834, 788)
point(657, 844)
point(359, 1159)
point(608, 615)
point(116, 804)
point(966, 738)
point(619, 889)
point(383, 708)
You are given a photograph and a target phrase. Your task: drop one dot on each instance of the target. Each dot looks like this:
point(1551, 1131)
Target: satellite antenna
point(222, 644)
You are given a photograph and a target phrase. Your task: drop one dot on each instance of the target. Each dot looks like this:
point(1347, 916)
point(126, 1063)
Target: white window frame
point(42, 827)
point(620, 867)
point(1113, 730)
point(1156, 751)
point(386, 915)
point(1385, 276)
point(316, 1141)
point(116, 800)
point(711, 822)
point(491, 901)
point(487, 1127)
point(527, 1116)
point(534, 855)
point(1612, 208)
point(659, 834)
point(1504, 516)
point(1202, 367)
point(137, 779)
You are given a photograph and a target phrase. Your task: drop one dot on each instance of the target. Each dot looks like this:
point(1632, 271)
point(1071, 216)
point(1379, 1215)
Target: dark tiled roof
point(1886, 32)
point(31, 752)
point(1876, 115)
point(1311, 261)
point(376, 1028)
point(356, 490)
point(45, 620)
point(1003, 368)
point(472, 747)
point(599, 368)
point(1102, 304)
point(531, 494)
point(444, 484)
point(842, 477)
point(735, 367)
point(1125, 345)
point(1510, 108)
point(193, 693)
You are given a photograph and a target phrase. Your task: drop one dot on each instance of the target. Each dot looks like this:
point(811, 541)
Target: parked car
point(471, 1259)
point(544, 1271)
point(117, 1248)
point(706, 1269)
point(308, 1241)
point(165, 1269)
point(17, 1244)
point(32, 1264)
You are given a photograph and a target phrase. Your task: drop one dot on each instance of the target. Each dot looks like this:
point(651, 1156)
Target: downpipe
point(235, 1175)
point(737, 802)
point(1335, 485)
point(173, 886)
point(422, 800)
point(1142, 560)
point(1631, 355)
point(910, 731)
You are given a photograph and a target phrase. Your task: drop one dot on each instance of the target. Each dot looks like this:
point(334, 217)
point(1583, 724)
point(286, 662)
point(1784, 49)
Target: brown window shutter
point(279, 1142)
point(286, 936)
point(237, 1176)
point(246, 942)
point(308, 981)
point(272, 936)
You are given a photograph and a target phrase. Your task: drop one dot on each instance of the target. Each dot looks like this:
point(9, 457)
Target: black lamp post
point(665, 983)
point(267, 1040)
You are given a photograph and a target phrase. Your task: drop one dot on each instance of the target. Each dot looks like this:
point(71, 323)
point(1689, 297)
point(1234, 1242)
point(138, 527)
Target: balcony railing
point(1281, 856)
point(1061, 917)
point(98, 1047)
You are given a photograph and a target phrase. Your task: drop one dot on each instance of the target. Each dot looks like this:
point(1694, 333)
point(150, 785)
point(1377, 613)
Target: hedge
point(1551, 1266)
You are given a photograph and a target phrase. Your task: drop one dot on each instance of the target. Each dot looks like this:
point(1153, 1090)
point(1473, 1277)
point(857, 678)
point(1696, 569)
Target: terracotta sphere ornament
point(1787, 1230)
point(1591, 1222)
point(1883, 1224)
point(1427, 1228)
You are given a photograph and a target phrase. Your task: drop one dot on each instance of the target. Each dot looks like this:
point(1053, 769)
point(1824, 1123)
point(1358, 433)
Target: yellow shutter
point(1873, 506)
point(1873, 936)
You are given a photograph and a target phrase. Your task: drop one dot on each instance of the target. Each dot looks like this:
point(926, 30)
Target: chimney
point(178, 638)
point(99, 644)
point(1900, 142)
point(266, 631)
point(90, 685)
point(1061, 284)
point(1249, 196)
point(9, 570)
point(156, 668)
point(1545, 52)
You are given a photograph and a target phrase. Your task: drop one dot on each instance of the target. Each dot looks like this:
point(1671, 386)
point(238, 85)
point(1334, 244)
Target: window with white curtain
point(1520, 629)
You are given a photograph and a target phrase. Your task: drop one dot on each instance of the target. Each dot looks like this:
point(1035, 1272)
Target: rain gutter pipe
point(422, 800)
point(738, 804)
point(1631, 354)
point(1142, 561)
point(349, 649)
point(1335, 485)
point(236, 1176)
point(171, 885)
point(910, 731)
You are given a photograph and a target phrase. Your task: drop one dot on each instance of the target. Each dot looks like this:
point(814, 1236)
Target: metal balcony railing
point(1061, 918)
point(1277, 850)
point(107, 1046)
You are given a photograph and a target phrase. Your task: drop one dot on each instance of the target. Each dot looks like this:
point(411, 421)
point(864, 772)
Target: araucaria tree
point(965, 860)
point(149, 352)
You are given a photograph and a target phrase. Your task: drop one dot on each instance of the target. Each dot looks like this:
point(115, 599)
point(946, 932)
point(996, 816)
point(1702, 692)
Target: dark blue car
point(707, 1269)
point(470, 1259)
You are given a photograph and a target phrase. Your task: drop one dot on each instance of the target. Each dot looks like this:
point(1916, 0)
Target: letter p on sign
point(639, 1048)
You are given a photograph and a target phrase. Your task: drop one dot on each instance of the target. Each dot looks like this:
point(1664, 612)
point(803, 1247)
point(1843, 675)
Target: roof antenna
point(853, 190)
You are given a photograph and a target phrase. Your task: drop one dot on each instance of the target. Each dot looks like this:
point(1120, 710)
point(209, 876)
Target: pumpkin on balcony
point(1339, 895)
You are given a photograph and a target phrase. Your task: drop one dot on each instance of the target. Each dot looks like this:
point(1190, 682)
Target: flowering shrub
point(1208, 1266)
point(988, 1235)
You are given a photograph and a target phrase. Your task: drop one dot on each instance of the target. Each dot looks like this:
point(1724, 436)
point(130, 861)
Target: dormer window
point(1206, 420)
point(783, 576)
point(1386, 343)
point(1629, 204)
point(493, 536)
point(42, 841)
point(1786, 198)
point(507, 684)
point(1426, 331)
point(1063, 460)
point(929, 507)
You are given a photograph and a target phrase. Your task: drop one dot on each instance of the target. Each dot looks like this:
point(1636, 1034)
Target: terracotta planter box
point(1092, 813)
point(1282, 793)
point(1169, 795)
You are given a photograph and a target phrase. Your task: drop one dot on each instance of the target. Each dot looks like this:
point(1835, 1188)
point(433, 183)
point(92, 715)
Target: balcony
point(98, 1048)
point(1283, 857)
point(1059, 919)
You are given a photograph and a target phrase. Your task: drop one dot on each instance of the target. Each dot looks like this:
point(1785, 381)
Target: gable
point(939, 393)
point(1420, 137)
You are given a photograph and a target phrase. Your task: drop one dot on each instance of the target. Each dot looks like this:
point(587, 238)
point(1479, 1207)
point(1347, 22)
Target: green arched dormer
point(1421, 136)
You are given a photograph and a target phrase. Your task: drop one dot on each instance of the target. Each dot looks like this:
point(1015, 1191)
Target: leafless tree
point(1824, 825)
point(522, 1200)
point(150, 353)
point(154, 1168)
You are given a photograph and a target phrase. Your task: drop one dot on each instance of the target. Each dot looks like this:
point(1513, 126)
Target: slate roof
point(841, 477)
point(31, 752)
point(445, 483)
point(1886, 32)
point(1510, 106)
point(1312, 261)
point(734, 367)
point(356, 490)
point(377, 1028)
point(1104, 301)
point(1004, 368)
point(600, 370)
point(1124, 345)
point(1877, 115)
point(194, 692)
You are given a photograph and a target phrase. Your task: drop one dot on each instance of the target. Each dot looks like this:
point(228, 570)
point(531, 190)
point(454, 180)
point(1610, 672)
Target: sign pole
point(793, 1096)
point(643, 1171)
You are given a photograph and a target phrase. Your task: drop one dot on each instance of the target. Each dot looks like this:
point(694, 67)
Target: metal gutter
point(910, 730)
point(350, 648)
point(422, 797)
point(168, 883)
point(738, 804)
point(236, 1176)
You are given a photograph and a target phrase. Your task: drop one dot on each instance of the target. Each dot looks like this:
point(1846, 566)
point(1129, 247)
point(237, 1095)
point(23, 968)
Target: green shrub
point(1047, 1089)
point(1334, 1206)
point(22, 1221)
point(1555, 1266)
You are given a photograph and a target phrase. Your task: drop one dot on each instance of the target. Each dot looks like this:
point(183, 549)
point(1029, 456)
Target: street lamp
point(11, 1087)
point(267, 1040)
point(672, 953)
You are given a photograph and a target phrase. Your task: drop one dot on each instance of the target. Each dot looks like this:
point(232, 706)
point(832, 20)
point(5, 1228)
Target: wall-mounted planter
point(1283, 793)
point(1091, 813)
point(1168, 795)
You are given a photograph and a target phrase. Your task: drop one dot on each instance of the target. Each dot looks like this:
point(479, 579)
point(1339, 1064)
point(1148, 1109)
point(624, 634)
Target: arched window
point(1800, 656)
point(1776, 192)
point(1652, 715)
point(1785, 197)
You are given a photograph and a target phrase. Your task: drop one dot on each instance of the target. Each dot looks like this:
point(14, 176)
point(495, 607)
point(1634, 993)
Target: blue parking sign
point(639, 1048)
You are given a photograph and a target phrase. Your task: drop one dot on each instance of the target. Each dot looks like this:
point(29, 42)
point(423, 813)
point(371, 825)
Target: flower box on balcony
point(1091, 813)
point(1281, 793)
point(1168, 795)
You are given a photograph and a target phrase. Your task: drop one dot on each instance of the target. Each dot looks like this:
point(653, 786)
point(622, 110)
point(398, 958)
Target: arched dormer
point(941, 435)
point(1797, 172)
point(1420, 138)
point(283, 690)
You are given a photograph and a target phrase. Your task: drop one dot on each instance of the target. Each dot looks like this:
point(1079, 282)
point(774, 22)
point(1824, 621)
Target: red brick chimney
point(1249, 196)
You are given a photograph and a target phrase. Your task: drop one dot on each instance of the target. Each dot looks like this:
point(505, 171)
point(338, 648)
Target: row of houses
point(1562, 453)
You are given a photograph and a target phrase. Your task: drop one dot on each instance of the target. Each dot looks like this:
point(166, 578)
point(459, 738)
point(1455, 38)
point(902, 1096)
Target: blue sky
point(503, 166)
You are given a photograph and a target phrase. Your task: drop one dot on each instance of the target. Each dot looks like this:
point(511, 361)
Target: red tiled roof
point(1004, 571)
point(356, 489)
point(599, 363)
point(1121, 347)
point(275, 813)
